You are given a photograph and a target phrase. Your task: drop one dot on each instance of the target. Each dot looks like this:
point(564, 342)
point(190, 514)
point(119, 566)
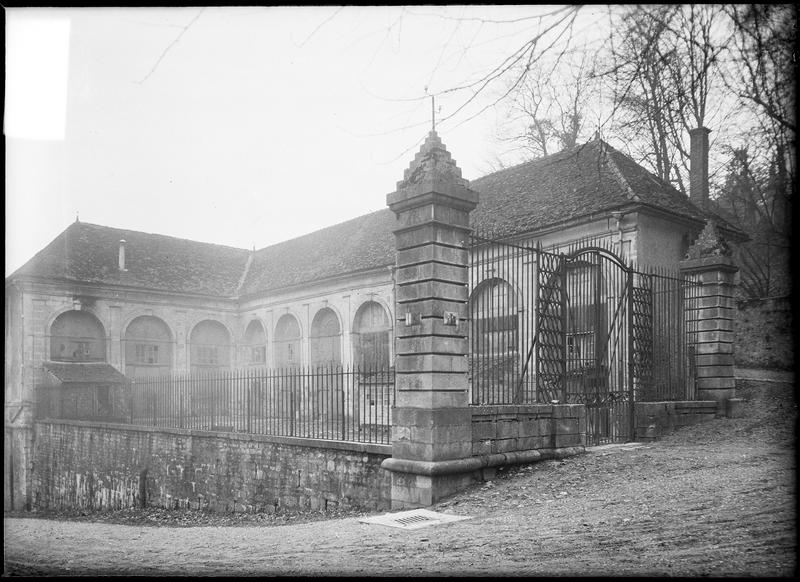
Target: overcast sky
point(236, 126)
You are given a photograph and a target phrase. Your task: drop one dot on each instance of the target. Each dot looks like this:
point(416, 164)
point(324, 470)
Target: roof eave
point(329, 279)
point(42, 279)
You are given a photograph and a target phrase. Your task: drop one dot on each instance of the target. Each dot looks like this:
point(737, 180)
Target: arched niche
point(287, 342)
point(325, 339)
point(148, 347)
point(372, 332)
point(209, 347)
point(77, 336)
point(254, 344)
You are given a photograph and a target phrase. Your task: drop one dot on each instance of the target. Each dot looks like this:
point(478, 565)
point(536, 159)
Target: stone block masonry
point(513, 428)
point(656, 419)
point(106, 466)
point(711, 324)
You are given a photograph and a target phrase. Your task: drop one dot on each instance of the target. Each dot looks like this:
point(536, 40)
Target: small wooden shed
point(82, 391)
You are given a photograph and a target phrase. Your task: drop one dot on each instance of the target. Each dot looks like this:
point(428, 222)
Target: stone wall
point(17, 467)
point(656, 419)
point(509, 428)
point(763, 334)
point(98, 465)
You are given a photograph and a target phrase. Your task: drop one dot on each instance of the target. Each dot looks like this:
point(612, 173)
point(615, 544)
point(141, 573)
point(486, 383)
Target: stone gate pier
point(431, 433)
point(709, 261)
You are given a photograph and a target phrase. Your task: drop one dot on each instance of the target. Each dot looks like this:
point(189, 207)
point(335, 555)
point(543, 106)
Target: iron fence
point(332, 403)
point(503, 287)
point(673, 321)
point(578, 326)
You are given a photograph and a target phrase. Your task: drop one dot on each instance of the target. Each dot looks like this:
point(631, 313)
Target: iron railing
point(577, 326)
point(332, 403)
point(502, 286)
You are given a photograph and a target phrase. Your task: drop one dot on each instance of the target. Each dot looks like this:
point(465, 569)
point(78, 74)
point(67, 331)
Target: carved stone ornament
point(709, 244)
point(433, 160)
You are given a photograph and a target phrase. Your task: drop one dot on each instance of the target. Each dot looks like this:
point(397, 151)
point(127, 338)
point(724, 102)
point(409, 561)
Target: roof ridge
point(617, 173)
point(650, 174)
point(245, 271)
point(544, 160)
point(324, 228)
point(177, 238)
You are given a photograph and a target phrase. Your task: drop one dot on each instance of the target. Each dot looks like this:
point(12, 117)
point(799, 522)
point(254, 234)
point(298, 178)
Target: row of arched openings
point(148, 344)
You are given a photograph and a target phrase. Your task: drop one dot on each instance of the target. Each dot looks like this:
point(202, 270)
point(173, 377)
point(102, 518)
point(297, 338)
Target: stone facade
point(32, 307)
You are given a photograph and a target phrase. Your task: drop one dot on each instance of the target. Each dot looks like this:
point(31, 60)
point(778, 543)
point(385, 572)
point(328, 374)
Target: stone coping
point(469, 464)
point(678, 404)
point(351, 446)
point(708, 263)
point(488, 409)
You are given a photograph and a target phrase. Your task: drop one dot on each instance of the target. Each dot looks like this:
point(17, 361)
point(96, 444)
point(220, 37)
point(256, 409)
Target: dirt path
point(714, 499)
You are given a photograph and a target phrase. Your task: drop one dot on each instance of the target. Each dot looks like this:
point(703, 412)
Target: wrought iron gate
point(577, 327)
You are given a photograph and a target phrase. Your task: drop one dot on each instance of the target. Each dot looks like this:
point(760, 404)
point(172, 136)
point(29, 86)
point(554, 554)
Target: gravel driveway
point(716, 499)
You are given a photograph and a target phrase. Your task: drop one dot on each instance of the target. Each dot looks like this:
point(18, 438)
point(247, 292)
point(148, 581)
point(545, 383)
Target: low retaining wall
point(656, 419)
point(508, 428)
point(100, 465)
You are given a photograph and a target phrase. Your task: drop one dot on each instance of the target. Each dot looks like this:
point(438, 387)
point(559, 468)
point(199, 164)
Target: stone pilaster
point(431, 423)
point(710, 320)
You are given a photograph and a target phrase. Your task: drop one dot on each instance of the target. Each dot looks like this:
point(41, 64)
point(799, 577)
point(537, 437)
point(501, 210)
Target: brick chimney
point(698, 170)
point(122, 255)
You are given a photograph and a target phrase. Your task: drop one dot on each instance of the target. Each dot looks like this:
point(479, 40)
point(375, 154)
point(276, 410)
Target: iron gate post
point(564, 323)
point(631, 408)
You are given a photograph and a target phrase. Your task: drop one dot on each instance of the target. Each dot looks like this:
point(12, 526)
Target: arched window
point(371, 336)
point(287, 342)
point(493, 308)
point(77, 336)
point(325, 339)
point(587, 314)
point(209, 346)
point(148, 347)
point(255, 344)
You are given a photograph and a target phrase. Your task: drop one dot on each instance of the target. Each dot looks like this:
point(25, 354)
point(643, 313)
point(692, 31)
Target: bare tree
point(748, 200)
point(764, 59)
point(549, 111)
point(662, 67)
point(672, 68)
point(552, 38)
point(761, 72)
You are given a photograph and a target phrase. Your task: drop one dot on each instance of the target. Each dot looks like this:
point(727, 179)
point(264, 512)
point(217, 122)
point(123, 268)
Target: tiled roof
point(562, 187)
point(581, 181)
point(90, 253)
point(85, 372)
point(366, 242)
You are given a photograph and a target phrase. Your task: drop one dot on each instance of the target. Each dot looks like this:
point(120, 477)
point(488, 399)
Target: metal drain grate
point(414, 519)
